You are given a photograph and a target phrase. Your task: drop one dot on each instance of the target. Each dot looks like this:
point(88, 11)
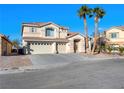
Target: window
point(33, 29)
point(114, 35)
point(28, 43)
point(49, 32)
point(32, 43)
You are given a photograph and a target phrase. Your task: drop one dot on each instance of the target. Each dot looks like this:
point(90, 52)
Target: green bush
point(109, 48)
point(103, 48)
point(121, 50)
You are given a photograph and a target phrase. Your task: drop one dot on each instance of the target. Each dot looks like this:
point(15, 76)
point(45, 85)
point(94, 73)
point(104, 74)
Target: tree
point(121, 50)
point(82, 13)
point(16, 43)
point(98, 13)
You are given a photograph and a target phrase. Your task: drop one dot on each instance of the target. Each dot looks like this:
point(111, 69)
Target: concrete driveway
point(94, 74)
point(53, 59)
point(46, 59)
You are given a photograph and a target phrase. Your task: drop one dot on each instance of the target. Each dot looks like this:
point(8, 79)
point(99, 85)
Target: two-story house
point(48, 38)
point(115, 36)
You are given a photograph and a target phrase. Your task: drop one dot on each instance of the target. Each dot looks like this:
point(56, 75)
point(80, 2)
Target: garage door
point(41, 48)
point(61, 47)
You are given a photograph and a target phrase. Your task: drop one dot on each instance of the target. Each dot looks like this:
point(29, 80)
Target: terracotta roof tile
point(3, 36)
point(44, 39)
point(120, 27)
point(36, 24)
point(117, 27)
point(40, 24)
point(71, 34)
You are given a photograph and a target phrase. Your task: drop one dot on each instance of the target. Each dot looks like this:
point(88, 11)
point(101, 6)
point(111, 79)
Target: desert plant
point(109, 48)
point(121, 50)
point(103, 48)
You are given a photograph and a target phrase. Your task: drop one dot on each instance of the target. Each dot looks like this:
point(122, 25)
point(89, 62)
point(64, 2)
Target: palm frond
point(84, 10)
point(99, 12)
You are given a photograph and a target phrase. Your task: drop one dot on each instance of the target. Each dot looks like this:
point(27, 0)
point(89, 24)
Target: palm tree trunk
point(86, 34)
point(95, 35)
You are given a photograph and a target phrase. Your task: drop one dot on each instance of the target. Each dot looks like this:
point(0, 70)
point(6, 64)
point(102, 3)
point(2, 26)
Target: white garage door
point(61, 47)
point(41, 48)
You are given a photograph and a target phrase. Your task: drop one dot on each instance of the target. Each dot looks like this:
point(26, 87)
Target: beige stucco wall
point(27, 32)
point(40, 32)
point(120, 37)
point(81, 47)
point(6, 47)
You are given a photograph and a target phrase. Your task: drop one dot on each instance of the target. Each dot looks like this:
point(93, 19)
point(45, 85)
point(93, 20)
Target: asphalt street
point(92, 74)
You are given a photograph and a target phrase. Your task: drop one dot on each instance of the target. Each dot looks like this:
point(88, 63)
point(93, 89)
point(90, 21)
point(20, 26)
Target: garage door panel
point(41, 48)
point(61, 48)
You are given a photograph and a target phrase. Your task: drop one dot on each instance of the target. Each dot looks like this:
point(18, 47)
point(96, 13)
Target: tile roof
point(3, 36)
point(117, 27)
point(40, 24)
point(120, 27)
point(45, 39)
point(71, 34)
point(36, 24)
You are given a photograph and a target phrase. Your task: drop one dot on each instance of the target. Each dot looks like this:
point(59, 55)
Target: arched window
point(49, 32)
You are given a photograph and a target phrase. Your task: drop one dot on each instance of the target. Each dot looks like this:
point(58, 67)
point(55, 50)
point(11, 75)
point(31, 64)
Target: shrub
point(103, 48)
point(121, 50)
point(109, 48)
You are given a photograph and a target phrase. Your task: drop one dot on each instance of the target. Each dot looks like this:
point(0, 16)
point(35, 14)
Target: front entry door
point(76, 46)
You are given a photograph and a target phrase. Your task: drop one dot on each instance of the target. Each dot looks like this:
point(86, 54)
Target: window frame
point(49, 34)
point(114, 35)
point(33, 29)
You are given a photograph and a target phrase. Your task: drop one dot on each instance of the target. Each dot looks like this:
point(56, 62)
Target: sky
point(12, 17)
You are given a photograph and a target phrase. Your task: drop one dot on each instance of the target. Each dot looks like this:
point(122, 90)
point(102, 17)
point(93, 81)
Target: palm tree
point(98, 13)
point(82, 13)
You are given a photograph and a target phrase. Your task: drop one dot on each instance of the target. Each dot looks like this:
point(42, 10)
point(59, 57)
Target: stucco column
point(67, 48)
point(54, 47)
point(55, 33)
point(89, 46)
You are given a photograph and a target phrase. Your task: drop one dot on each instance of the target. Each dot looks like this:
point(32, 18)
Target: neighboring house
point(115, 36)
point(48, 38)
point(5, 46)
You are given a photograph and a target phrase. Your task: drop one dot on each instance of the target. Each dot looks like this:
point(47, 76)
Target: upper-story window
point(49, 32)
point(114, 35)
point(33, 29)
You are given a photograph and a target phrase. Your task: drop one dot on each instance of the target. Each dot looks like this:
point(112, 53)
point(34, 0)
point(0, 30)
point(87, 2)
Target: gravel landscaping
point(14, 62)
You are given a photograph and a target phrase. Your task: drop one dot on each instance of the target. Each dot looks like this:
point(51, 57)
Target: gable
point(78, 36)
point(113, 30)
point(51, 26)
point(44, 25)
